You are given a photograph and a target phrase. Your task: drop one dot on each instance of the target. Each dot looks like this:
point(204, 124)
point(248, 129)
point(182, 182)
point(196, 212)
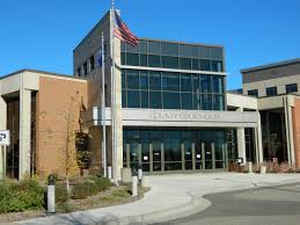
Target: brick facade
point(58, 101)
point(296, 128)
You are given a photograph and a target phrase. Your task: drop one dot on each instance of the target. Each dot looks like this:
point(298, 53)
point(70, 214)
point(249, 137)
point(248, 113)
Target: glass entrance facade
point(173, 149)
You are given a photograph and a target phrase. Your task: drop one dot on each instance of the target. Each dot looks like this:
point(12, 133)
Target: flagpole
point(103, 110)
point(113, 105)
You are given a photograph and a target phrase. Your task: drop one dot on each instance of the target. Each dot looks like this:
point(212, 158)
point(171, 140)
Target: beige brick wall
point(57, 100)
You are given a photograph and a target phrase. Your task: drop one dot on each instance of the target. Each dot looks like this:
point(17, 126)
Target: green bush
point(92, 186)
point(61, 193)
point(101, 183)
point(18, 197)
point(80, 191)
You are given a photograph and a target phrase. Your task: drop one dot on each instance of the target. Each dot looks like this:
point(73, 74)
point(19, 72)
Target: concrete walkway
point(171, 197)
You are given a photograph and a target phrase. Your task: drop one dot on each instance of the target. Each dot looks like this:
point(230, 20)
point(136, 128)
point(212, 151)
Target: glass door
point(134, 155)
point(156, 155)
point(198, 156)
point(145, 157)
point(208, 156)
point(188, 156)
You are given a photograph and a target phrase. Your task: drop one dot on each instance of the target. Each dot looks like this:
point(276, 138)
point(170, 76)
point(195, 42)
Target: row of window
point(163, 90)
point(174, 49)
point(272, 91)
point(172, 62)
point(87, 67)
point(167, 81)
point(171, 100)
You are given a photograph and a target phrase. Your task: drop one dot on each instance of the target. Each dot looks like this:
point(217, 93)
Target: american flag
point(122, 32)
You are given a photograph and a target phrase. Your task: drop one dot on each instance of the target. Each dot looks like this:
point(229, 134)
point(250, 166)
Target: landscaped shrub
point(90, 187)
point(101, 183)
point(80, 191)
point(18, 197)
point(61, 193)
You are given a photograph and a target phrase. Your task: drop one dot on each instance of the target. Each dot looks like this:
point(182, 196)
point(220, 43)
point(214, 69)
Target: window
point(186, 82)
point(204, 65)
point(155, 81)
point(169, 62)
point(185, 63)
point(291, 88)
point(92, 63)
point(205, 83)
point(143, 60)
point(133, 99)
point(271, 91)
point(171, 82)
point(133, 79)
point(165, 90)
point(154, 61)
point(253, 92)
point(132, 59)
point(79, 71)
point(85, 68)
point(144, 80)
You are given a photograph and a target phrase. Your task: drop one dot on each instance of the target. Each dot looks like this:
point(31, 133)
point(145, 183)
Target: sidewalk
point(171, 197)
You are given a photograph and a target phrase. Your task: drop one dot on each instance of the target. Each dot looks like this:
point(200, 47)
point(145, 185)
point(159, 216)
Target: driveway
point(176, 196)
point(268, 206)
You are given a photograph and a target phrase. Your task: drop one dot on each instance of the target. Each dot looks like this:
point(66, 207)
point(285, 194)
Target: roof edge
point(266, 66)
point(41, 72)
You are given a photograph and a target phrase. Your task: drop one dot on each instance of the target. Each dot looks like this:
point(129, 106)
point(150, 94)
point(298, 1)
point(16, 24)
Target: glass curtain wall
point(169, 149)
point(173, 55)
point(165, 90)
point(274, 135)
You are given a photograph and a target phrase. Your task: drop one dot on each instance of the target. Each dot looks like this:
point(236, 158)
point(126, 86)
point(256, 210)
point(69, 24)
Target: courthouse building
point(166, 109)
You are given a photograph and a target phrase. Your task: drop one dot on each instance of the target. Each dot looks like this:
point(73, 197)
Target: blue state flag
point(99, 56)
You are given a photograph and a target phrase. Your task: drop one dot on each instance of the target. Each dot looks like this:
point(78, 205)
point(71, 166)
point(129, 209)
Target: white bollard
point(263, 169)
point(250, 170)
point(134, 186)
point(51, 199)
point(145, 181)
point(109, 172)
point(140, 174)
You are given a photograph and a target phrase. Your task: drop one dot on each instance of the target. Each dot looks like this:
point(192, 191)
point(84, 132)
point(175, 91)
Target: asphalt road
point(266, 206)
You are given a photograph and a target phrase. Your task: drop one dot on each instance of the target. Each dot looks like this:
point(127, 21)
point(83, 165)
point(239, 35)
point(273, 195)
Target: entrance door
point(199, 156)
point(134, 155)
point(145, 157)
point(188, 156)
point(208, 155)
point(156, 156)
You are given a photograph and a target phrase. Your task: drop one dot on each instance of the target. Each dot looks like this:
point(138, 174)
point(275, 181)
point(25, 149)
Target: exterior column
point(241, 140)
point(258, 141)
point(25, 132)
point(289, 130)
point(116, 101)
point(3, 126)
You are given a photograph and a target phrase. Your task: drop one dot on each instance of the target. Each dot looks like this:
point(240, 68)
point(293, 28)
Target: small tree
point(70, 161)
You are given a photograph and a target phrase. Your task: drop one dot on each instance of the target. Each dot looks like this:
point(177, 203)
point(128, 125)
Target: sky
point(41, 35)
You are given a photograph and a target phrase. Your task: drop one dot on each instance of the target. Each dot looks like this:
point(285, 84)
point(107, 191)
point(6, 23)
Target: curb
point(197, 204)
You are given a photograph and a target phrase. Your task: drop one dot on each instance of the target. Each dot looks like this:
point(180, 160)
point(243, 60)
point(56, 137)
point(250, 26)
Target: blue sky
point(42, 34)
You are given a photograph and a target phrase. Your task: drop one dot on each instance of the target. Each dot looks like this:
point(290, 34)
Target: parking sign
point(4, 137)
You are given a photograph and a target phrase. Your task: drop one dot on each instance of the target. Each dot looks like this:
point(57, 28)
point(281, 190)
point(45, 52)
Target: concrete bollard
point(134, 187)
point(109, 172)
point(250, 167)
point(145, 181)
point(263, 169)
point(140, 174)
point(51, 195)
point(126, 175)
